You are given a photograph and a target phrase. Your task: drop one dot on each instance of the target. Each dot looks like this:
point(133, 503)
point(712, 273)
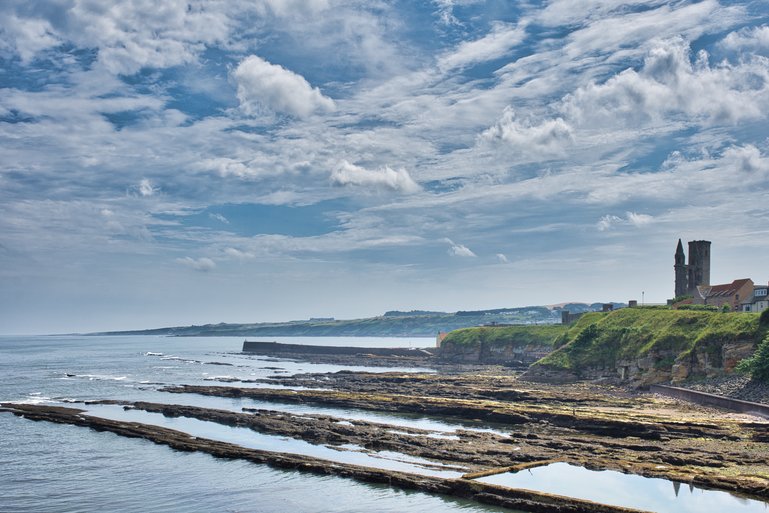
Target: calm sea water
point(52, 468)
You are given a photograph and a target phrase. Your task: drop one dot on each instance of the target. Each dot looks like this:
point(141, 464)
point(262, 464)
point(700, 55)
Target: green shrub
point(763, 320)
point(586, 336)
point(600, 340)
point(517, 336)
point(698, 308)
point(758, 364)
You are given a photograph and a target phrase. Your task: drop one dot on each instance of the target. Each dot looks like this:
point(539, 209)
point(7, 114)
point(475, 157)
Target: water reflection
point(251, 439)
point(627, 490)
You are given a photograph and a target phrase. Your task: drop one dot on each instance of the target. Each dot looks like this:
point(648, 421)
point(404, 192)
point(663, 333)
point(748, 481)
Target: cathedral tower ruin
point(696, 272)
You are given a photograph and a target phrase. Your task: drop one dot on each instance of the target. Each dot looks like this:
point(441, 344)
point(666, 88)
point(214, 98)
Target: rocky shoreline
point(521, 425)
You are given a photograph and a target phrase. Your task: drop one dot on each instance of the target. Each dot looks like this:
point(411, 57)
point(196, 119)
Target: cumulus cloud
point(750, 39)
point(130, 36)
point(202, 264)
point(502, 259)
point(263, 85)
point(547, 137)
point(670, 85)
point(459, 250)
point(383, 178)
point(27, 36)
point(635, 219)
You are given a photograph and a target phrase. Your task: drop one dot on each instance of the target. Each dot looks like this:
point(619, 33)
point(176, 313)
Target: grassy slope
point(598, 340)
point(540, 334)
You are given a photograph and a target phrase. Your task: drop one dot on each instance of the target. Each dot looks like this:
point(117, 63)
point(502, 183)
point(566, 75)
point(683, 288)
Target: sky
point(192, 162)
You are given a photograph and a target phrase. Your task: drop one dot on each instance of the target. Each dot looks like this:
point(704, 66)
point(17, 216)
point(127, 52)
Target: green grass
point(523, 335)
point(598, 340)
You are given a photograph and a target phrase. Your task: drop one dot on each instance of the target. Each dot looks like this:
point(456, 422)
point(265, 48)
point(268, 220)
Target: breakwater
point(280, 348)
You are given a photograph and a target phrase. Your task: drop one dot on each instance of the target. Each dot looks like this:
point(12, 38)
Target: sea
point(46, 467)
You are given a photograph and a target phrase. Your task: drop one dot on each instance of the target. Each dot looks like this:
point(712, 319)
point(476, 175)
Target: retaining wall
point(706, 399)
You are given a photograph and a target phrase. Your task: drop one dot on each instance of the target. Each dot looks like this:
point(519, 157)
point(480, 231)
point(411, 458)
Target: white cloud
point(133, 35)
point(262, 85)
point(635, 219)
point(27, 36)
point(459, 250)
point(550, 137)
point(237, 254)
point(146, 188)
point(670, 86)
point(382, 178)
point(225, 166)
point(283, 8)
point(752, 39)
point(607, 222)
point(218, 217)
point(747, 159)
point(446, 12)
point(498, 43)
point(202, 264)
point(502, 259)
point(639, 220)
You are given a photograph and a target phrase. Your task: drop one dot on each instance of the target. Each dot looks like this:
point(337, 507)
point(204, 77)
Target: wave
point(179, 359)
point(33, 398)
point(226, 379)
point(94, 377)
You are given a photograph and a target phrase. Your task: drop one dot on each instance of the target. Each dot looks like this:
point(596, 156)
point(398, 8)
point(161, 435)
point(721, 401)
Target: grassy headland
point(653, 344)
point(501, 344)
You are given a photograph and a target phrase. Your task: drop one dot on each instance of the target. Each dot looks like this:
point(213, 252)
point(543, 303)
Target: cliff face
point(644, 347)
point(505, 345)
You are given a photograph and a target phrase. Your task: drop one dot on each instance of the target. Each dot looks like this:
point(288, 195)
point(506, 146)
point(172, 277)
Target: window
point(760, 292)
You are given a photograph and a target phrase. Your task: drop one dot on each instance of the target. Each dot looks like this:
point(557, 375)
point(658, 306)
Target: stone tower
point(696, 272)
point(682, 276)
point(699, 264)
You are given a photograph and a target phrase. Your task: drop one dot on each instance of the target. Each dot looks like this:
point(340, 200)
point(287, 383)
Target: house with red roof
point(734, 294)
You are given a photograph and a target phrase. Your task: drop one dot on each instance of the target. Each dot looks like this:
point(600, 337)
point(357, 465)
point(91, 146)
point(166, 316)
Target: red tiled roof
point(725, 290)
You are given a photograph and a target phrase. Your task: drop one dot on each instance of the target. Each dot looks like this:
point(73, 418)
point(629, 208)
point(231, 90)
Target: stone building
point(697, 272)
point(732, 294)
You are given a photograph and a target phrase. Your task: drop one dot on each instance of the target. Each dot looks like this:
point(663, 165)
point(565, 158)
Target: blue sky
point(188, 162)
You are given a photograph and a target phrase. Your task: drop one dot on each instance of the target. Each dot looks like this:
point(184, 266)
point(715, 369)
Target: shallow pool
point(627, 490)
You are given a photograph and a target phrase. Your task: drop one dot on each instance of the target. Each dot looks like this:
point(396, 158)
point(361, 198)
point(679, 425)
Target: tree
point(758, 364)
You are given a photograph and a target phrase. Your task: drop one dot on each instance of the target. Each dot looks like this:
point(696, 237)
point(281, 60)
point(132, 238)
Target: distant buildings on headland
point(692, 286)
point(692, 283)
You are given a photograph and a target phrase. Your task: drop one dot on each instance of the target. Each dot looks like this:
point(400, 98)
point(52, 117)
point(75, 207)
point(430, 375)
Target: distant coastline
point(417, 323)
